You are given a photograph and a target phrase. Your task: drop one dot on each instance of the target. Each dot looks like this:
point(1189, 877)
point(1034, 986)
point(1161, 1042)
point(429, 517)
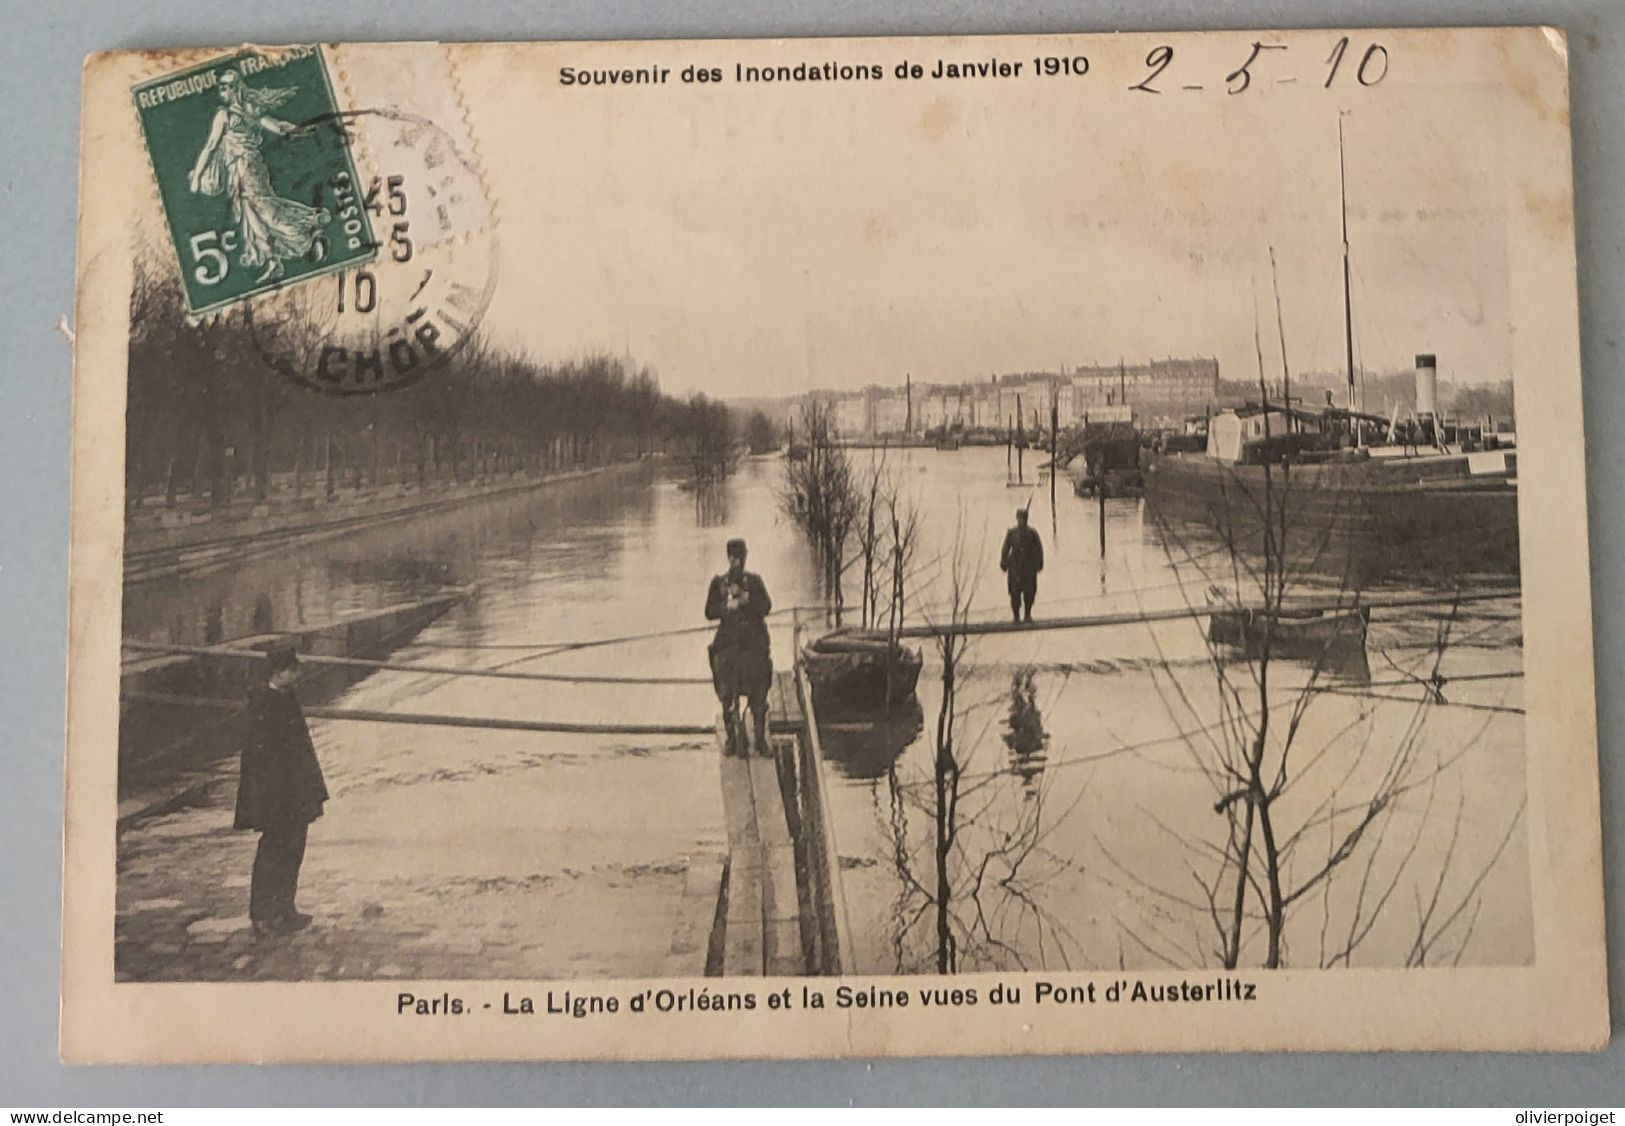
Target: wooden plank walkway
point(1134, 617)
point(762, 921)
point(690, 953)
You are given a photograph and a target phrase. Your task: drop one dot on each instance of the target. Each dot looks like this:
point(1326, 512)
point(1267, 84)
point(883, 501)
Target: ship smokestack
point(1427, 386)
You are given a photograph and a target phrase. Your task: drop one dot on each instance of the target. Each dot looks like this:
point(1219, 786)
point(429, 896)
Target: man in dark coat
point(280, 791)
point(1021, 558)
point(741, 652)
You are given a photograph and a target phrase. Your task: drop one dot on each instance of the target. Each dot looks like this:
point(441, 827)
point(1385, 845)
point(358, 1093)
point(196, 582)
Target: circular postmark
point(420, 205)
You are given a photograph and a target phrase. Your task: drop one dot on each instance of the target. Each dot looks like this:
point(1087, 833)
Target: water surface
point(1084, 828)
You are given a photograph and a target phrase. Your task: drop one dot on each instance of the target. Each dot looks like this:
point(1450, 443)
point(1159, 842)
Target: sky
point(751, 240)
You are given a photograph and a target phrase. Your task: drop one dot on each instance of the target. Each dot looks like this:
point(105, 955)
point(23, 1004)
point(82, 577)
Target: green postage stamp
point(255, 172)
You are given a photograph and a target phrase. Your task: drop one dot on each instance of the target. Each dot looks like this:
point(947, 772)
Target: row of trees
point(209, 421)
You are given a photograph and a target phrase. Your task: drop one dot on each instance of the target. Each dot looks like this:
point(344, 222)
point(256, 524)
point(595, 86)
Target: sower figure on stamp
point(741, 652)
point(270, 228)
point(279, 792)
point(1021, 558)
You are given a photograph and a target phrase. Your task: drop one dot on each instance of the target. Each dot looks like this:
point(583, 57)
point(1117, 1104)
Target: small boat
point(1114, 483)
point(1332, 637)
point(848, 671)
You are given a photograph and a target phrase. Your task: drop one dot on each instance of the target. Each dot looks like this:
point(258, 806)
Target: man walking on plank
point(1021, 558)
point(280, 791)
point(741, 652)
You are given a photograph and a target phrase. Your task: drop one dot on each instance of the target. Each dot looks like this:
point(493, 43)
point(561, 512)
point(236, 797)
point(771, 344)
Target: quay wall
point(186, 540)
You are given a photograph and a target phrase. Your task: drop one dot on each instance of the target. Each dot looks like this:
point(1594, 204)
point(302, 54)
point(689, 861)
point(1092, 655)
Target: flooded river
point(1084, 832)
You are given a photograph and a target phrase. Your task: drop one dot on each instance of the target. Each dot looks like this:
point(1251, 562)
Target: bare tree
point(821, 496)
point(1295, 811)
point(876, 485)
point(711, 427)
point(760, 434)
point(905, 534)
point(970, 892)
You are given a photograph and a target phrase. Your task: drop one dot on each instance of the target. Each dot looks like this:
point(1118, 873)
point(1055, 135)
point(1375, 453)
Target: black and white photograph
point(1068, 530)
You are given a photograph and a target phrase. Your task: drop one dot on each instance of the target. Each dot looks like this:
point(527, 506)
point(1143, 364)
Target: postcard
point(848, 547)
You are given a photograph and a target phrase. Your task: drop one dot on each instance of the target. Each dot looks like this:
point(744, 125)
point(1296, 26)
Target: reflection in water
point(973, 877)
point(1024, 731)
point(262, 613)
point(903, 914)
point(393, 571)
point(865, 744)
point(578, 527)
point(974, 882)
point(710, 504)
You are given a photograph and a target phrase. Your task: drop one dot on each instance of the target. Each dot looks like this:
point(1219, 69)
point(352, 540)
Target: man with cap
point(280, 791)
point(1021, 558)
point(741, 652)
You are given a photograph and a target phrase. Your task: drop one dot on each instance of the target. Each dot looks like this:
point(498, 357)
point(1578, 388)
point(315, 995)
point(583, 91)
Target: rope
point(1418, 681)
point(429, 719)
point(1430, 699)
point(407, 666)
point(549, 648)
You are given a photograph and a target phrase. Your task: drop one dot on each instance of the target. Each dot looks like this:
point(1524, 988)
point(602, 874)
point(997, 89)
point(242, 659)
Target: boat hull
point(851, 675)
point(1334, 642)
point(1427, 518)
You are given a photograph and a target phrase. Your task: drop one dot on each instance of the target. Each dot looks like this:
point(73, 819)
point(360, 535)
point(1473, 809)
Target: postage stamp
point(255, 194)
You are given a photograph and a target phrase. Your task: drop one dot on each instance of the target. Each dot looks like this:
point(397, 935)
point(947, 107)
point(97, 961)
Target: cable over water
point(409, 666)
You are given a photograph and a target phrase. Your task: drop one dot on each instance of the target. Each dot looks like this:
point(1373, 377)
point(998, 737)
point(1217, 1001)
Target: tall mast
point(1348, 308)
point(1286, 371)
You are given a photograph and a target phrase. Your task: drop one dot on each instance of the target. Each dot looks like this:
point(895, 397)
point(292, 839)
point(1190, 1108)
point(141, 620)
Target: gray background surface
point(43, 46)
